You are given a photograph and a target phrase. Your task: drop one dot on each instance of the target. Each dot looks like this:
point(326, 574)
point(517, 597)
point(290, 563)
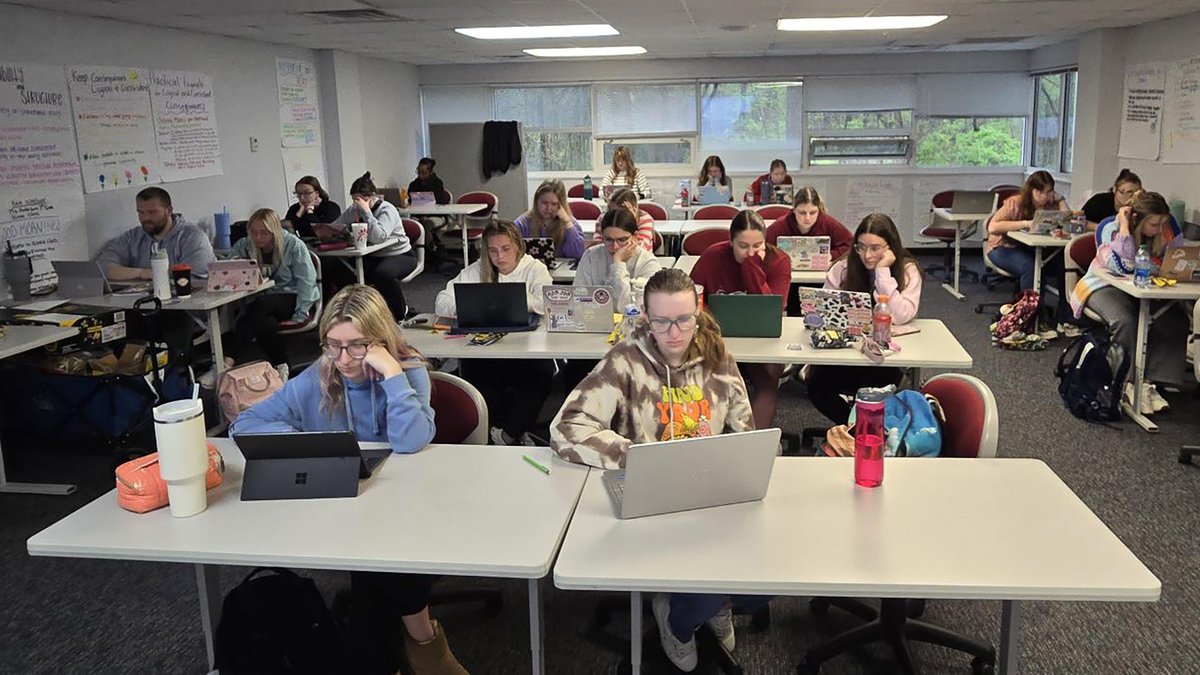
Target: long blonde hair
point(270, 220)
point(367, 311)
point(706, 342)
point(488, 273)
point(622, 152)
point(1146, 204)
point(555, 228)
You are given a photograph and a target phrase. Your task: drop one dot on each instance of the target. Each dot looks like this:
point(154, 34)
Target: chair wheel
point(979, 309)
point(819, 606)
point(983, 666)
point(803, 668)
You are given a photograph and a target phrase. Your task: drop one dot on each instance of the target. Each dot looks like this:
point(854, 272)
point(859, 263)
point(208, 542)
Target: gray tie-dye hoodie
point(632, 396)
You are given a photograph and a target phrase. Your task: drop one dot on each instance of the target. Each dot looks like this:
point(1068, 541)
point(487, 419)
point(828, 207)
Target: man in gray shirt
point(127, 257)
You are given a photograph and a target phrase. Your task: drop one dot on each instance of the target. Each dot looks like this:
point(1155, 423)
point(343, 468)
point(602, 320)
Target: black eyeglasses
point(663, 325)
point(356, 350)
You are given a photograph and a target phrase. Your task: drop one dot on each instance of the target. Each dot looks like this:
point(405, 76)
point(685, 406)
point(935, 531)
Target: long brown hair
point(1146, 204)
point(488, 273)
point(710, 162)
point(366, 309)
point(706, 341)
point(1038, 180)
point(858, 277)
point(622, 152)
point(555, 228)
point(749, 219)
point(808, 195)
point(624, 197)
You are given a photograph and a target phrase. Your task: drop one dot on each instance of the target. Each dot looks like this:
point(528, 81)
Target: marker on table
point(535, 464)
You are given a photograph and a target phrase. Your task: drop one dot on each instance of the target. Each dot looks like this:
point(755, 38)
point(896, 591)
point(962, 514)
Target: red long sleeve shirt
point(718, 272)
point(840, 239)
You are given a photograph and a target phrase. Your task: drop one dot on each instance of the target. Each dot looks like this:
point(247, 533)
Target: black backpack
point(275, 624)
point(1091, 372)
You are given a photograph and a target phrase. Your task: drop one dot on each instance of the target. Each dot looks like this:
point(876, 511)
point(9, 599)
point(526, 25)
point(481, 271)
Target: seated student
point(514, 389)
point(671, 378)
point(312, 206)
point(285, 259)
point(127, 257)
point(809, 218)
point(748, 264)
point(1143, 222)
point(371, 382)
point(428, 181)
point(549, 218)
point(384, 268)
point(628, 201)
point(778, 175)
point(1105, 204)
point(713, 173)
point(879, 264)
point(625, 174)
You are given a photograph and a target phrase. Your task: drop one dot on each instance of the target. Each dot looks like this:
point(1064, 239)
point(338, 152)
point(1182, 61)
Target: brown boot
point(433, 657)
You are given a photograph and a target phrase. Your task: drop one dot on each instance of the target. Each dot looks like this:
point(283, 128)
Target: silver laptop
point(79, 279)
point(973, 201)
point(693, 473)
point(578, 309)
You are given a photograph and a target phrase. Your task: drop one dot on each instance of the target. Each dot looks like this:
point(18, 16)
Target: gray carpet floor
point(77, 616)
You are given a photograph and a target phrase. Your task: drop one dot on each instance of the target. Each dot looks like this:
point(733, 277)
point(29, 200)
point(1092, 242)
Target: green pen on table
point(535, 464)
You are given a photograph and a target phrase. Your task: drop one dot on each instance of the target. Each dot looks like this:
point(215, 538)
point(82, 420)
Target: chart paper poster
point(299, 114)
point(114, 126)
point(185, 124)
point(1181, 123)
point(1141, 117)
point(41, 198)
point(870, 195)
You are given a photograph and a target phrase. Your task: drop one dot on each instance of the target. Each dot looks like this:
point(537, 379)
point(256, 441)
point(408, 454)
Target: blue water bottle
point(1142, 266)
point(587, 186)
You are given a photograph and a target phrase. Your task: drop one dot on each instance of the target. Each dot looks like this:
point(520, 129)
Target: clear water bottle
point(881, 321)
point(869, 435)
point(587, 187)
point(1142, 266)
point(160, 274)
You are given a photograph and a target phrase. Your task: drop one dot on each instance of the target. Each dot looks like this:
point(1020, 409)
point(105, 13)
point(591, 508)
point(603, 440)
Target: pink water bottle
point(868, 436)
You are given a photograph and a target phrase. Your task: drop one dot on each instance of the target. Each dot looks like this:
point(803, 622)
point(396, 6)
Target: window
point(859, 137)
point(970, 141)
point(557, 125)
point(873, 121)
point(645, 109)
point(749, 116)
point(1054, 121)
point(650, 151)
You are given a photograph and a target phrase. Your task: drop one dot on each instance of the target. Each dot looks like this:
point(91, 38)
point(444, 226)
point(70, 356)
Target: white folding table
point(18, 339)
point(458, 212)
point(994, 529)
point(1038, 242)
point(958, 221)
point(466, 510)
point(343, 255)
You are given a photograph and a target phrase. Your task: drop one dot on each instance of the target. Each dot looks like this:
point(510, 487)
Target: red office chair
point(416, 236)
point(460, 413)
point(971, 430)
point(583, 210)
point(290, 327)
point(715, 212)
point(479, 220)
point(773, 212)
point(656, 211)
point(698, 241)
point(658, 244)
point(576, 191)
point(1005, 188)
point(943, 231)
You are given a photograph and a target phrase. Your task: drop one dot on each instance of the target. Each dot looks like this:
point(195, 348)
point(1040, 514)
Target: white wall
point(391, 117)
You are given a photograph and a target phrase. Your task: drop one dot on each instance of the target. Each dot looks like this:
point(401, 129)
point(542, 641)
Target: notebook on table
point(578, 309)
point(492, 308)
point(693, 473)
point(807, 253)
point(305, 464)
point(841, 310)
point(742, 315)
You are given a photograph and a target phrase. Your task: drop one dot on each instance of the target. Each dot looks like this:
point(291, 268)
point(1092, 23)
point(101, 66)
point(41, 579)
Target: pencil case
point(141, 488)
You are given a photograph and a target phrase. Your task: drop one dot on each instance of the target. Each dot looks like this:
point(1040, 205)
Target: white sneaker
point(1146, 407)
point(722, 627)
point(449, 365)
point(497, 436)
point(682, 654)
point(284, 371)
point(1049, 334)
point(1070, 330)
point(208, 380)
point(1157, 402)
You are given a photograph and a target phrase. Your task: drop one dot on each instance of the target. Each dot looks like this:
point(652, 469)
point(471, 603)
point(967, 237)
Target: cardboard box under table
point(97, 325)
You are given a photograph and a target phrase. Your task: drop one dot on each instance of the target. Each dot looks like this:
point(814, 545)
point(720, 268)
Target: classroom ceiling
point(421, 32)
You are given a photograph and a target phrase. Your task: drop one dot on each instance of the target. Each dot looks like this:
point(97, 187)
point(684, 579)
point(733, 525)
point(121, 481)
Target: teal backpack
point(913, 422)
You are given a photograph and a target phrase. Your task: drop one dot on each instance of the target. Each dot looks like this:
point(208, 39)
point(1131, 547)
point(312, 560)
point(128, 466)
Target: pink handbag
point(141, 488)
point(245, 385)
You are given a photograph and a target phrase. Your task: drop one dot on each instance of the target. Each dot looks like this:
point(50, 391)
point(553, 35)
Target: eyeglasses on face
point(863, 248)
point(663, 325)
point(305, 193)
point(620, 241)
point(356, 350)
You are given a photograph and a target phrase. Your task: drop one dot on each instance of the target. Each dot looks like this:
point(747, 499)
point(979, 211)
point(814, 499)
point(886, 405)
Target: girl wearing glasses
point(514, 389)
point(1103, 205)
point(627, 200)
point(748, 264)
point(371, 382)
point(549, 218)
point(671, 378)
point(878, 264)
point(312, 206)
point(713, 173)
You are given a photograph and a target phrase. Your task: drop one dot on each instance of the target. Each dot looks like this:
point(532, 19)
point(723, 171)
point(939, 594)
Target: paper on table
point(41, 305)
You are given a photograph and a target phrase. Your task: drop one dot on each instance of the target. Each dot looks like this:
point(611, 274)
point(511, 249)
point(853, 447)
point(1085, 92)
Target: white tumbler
point(182, 454)
point(358, 231)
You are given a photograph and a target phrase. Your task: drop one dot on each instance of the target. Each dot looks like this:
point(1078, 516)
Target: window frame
point(1065, 152)
point(904, 135)
point(588, 130)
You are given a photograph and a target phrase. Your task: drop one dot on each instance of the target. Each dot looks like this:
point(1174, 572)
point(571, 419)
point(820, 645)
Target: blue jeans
point(1017, 261)
point(690, 610)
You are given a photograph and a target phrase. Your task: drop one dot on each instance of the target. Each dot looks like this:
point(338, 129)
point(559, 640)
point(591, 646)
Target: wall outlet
point(253, 144)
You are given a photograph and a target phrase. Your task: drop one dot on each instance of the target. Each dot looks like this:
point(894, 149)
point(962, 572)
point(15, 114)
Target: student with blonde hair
point(284, 258)
point(624, 173)
point(672, 378)
point(514, 389)
point(371, 382)
point(549, 218)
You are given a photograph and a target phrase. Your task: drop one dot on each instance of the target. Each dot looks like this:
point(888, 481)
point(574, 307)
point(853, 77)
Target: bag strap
point(278, 571)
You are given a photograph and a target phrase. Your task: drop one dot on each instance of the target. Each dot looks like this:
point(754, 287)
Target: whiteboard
point(1181, 122)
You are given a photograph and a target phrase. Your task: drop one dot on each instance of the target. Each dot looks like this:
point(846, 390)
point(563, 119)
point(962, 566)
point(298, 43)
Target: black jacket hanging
point(501, 147)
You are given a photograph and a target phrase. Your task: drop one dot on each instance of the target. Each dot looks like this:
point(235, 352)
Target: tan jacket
point(632, 396)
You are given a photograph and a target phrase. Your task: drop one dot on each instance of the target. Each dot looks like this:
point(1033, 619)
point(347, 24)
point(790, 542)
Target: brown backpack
point(245, 385)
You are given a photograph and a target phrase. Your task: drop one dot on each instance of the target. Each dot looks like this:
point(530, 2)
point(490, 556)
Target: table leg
point(214, 340)
point(1139, 370)
point(635, 632)
point(209, 587)
point(462, 227)
point(953, 290)
point(1037, 286)
point(358, 269)
point(30, 488)
point(536, 626)
point(1010, 637)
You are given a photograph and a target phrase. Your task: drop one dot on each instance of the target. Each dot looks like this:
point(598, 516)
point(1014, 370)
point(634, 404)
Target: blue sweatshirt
point(395, 410)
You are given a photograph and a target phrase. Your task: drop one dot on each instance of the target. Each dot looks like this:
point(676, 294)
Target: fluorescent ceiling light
point(535, 32)
point(861, 23)
point(568, 52)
